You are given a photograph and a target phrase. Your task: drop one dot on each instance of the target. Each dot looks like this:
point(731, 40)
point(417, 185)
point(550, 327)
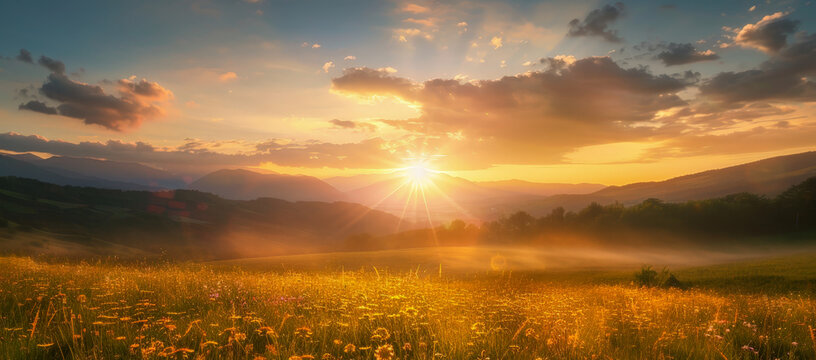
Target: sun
point(418, 173)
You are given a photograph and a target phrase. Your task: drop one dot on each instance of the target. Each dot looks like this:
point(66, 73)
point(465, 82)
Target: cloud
point(536, 117)
point(596, 23)
point(463, 27)
point(430, 22)
point(55, 66)
point(496, 42)
point(366, 81)
point(680, 54)
point(710, 116)
point(38, 106)
point(327, 66)
point(414, 8)
point(404, 34)
point(137, 101)
point(348, 124)
point(783, 77)
point(770, 34)
point(529, 118)
point(197, 157)
point(227, 76)
point(143, 89)
point(350, 58)
point(25, 56)
point(760, 138)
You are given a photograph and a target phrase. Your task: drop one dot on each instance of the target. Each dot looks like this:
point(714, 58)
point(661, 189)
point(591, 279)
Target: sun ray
point(370, 208)
point(405, 207)
point(452, 202)
point(430, 221)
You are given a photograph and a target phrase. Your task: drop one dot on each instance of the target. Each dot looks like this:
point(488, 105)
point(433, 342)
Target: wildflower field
point(205, 311)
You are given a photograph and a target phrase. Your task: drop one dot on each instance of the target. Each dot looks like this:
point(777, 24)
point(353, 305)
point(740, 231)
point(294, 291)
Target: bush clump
point(649, 277)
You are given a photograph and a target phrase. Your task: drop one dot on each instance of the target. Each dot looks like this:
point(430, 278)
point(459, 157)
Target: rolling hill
point(183, 223)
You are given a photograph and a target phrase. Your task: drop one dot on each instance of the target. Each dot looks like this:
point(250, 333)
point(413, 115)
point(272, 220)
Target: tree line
point(741, 214)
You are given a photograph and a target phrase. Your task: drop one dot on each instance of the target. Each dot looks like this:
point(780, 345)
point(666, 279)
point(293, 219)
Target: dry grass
point(195, 311)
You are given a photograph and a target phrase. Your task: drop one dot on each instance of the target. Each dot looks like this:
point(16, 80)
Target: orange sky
point(553, 91)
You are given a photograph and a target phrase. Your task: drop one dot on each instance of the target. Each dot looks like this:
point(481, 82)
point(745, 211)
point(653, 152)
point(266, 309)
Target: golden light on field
point(175, 311)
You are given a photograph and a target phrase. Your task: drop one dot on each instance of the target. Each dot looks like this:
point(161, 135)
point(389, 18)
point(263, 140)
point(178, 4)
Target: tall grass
point(84, 311)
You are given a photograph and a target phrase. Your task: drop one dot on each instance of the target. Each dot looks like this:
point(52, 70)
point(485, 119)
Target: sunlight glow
point(418, 174)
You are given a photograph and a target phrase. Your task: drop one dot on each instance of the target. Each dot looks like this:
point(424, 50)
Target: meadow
point(742, 309)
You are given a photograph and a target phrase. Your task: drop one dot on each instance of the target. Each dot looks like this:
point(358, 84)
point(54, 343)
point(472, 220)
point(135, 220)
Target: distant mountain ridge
point(115, 170)
point(448, 197)
point(231, 184)
point(764, 177)
point(442, 198)
point(540, 189)
point(239, 184)
point(10, 166)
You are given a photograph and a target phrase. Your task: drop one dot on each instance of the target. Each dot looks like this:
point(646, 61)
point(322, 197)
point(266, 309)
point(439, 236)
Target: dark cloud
point(769, 34)
point(90, 103)
point(197, 157)
point(143, 88)
point(782, 77)
point(29, 92)
point(596, 23)
point(55, 66)
point(532, 117)
point(540, 117)
point(680, 54)
point(25, 56)
point(38, 106)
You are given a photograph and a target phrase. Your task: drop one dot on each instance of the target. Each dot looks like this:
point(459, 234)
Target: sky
point(548, 91)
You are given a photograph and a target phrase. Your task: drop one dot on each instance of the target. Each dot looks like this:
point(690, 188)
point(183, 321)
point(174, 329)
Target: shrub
point(648, 277)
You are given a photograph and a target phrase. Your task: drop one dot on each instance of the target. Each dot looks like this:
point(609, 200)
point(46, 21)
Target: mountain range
point(241, 184)
point(767, 177)
point(445, 197)
point(32, 167)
